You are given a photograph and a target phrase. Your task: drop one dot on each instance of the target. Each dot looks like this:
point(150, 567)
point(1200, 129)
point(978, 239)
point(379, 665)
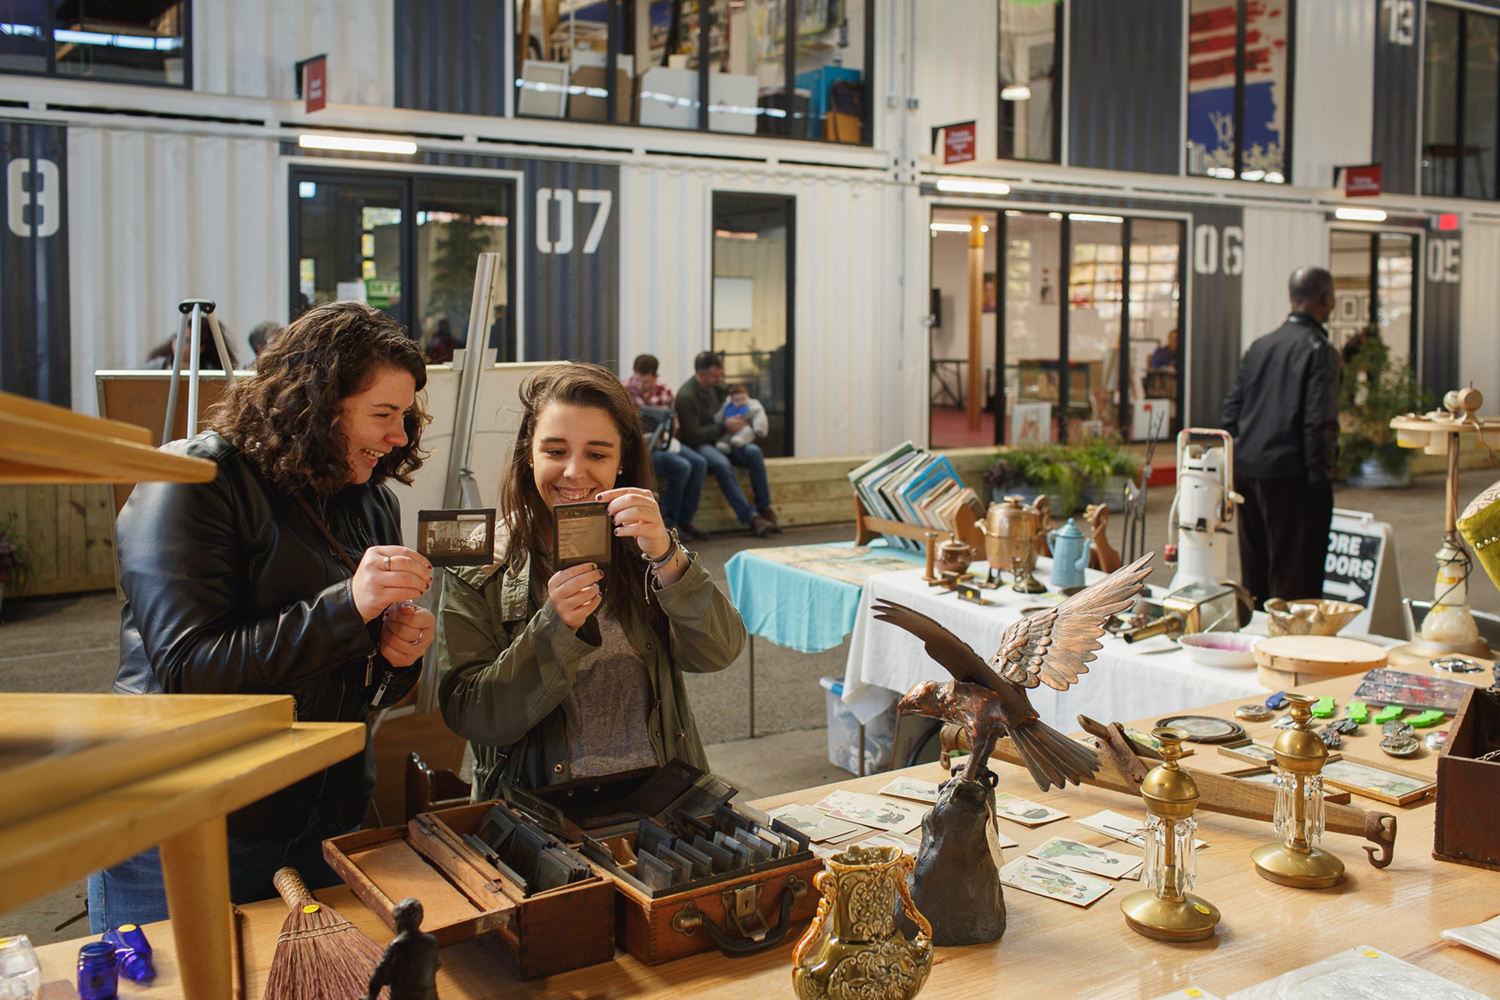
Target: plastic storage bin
point(846, 742)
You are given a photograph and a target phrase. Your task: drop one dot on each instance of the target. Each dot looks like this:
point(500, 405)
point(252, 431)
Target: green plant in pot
point(1376, 389)
point(1034, 469)
point(1107, 464)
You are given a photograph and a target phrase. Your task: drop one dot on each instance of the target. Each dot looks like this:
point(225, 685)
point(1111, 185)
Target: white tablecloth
point(1125, 681)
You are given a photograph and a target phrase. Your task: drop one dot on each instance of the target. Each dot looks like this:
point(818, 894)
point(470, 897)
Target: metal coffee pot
point(1070, 556)
point(1010, 533)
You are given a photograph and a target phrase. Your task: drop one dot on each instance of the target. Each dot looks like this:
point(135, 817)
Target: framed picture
point(1261, 754)
point(991, 294)
point(1376, 782)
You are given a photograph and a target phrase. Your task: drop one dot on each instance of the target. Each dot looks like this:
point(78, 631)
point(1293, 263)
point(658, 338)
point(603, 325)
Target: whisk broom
point(319, 954)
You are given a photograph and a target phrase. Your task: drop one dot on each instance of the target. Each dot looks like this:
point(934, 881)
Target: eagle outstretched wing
point(951, 652)
point(1053, 647)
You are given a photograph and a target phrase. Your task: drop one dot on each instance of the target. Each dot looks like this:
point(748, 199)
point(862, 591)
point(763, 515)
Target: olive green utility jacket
point(506, 665)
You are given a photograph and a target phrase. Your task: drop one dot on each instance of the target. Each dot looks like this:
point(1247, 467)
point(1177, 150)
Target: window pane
point(1349, 261)
point(23, 48)
point(830, 64)
point(948, 339)
point(747, 68)
point(1032, 343)
point(1394, 315)
point(1028, 67)
point(751, 304)
point(1155, 364)
point(1481, 90)
point(1267, 24)
point(1095, 309)
point(1440, 103)
point(335, 217)
point(457, 220)
point(1211, 78)
point(134, 43)
point(562, 72)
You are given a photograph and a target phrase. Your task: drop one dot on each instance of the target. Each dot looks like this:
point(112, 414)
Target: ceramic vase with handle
point(854, 950)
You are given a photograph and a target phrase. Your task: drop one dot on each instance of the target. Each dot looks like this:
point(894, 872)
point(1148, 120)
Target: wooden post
point(976, 314)
point(195, 868)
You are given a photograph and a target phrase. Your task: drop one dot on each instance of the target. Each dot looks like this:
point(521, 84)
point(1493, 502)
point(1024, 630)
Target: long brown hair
point(528, 519)
point(285, 419)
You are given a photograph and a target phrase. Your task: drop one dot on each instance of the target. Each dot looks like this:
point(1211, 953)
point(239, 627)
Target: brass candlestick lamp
point(1300, 756)
point(1165, 910)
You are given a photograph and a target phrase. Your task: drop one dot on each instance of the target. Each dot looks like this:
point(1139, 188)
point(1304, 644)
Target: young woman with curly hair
point(284, 575)
point(557, 675)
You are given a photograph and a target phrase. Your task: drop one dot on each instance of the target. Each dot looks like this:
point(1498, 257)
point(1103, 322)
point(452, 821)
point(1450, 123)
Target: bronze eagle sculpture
point(1050, 647)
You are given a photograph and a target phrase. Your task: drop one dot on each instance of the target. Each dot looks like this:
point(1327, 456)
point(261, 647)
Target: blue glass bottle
point(98, 972)
point(132, 952)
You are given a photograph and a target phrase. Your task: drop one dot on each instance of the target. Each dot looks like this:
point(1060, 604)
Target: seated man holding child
point(698, 401)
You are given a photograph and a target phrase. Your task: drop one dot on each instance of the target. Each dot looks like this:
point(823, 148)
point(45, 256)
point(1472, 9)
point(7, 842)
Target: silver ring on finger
point(418, 638)
point(387, 564)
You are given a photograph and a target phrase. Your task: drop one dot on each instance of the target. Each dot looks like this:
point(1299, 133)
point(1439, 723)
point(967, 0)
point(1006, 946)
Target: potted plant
point(1108, 465)
point(15, 559)
point(1375, 390)
point(1032, 470)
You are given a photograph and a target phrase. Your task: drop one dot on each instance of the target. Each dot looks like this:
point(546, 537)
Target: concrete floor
point(72, 644)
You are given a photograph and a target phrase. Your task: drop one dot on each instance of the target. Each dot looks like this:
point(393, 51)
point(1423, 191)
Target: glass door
point(948, 328)
point(1374, 291)
point(1096, 313)
point(348, 242)
point(1154, 369)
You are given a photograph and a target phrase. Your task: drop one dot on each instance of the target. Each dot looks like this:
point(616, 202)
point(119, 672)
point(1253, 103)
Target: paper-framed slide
point(1377, 783)
point(457, 537)
point(581, 533)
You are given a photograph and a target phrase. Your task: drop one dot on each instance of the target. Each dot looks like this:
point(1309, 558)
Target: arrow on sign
point(1347, 589)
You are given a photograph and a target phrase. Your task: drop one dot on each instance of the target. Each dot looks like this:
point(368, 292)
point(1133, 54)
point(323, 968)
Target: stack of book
point(911, 485)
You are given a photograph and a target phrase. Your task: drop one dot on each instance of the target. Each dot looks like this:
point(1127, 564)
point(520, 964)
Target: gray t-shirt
point(606, 713)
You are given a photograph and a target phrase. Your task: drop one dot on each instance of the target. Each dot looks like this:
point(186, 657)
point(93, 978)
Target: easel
point(867, 528)
point(190, 332)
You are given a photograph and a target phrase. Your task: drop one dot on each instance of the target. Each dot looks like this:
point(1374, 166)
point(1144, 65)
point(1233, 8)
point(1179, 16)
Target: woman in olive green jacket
point(556, 676)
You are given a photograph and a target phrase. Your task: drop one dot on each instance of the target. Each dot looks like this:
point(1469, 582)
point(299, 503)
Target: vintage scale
point(1448, 629)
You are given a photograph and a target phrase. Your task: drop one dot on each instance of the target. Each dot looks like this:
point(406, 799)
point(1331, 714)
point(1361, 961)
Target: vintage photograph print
point(581, 533)
point(457, 537)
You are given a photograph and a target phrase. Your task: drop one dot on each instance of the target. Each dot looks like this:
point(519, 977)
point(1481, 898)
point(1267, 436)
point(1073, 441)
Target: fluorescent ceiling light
point(955, 227)
point(357, 144)
point(961, 186)
point(1359, 214)
point(1015, 92)
point(1081, 217)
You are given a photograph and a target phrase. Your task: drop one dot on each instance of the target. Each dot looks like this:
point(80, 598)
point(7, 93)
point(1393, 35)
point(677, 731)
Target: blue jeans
point(754, 462)
point(132, 891)
point(679, 481)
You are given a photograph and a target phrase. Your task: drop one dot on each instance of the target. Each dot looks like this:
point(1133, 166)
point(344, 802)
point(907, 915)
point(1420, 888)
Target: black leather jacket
point(1283, 408)
point(230, 588)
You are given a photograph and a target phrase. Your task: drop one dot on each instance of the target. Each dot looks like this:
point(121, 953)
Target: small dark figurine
point(956, 883)
point(410, 963)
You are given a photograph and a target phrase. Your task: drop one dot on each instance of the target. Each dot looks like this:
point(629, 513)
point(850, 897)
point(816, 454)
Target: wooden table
point(1049, 948)
point(94, 779)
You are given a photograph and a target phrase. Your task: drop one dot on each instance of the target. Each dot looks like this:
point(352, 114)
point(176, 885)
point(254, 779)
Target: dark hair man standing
point(1283, 410)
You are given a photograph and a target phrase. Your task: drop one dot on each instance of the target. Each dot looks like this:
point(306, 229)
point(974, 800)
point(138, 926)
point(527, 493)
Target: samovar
point(1010, 533)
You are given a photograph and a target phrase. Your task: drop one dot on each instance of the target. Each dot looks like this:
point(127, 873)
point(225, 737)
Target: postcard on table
point(1087, 858)
point(912, 788)
point(872, 810)
point(887, 838)
point(1024, 811)
point(817, 824)
point(1376, 782)
point(1053, 881)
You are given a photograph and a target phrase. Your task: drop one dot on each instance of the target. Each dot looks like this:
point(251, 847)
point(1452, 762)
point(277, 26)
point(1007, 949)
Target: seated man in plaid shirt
point(679, 471)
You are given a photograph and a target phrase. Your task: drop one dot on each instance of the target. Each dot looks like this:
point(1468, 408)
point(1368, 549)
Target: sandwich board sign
point(1360, 567)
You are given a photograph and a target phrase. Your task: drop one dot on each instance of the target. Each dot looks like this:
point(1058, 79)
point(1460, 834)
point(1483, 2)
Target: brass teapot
point(1011, 530)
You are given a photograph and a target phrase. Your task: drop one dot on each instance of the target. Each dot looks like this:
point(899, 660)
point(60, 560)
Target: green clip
point(1431, 717)
point(1388, 713)
point(1357, 712)
point(1323, 708)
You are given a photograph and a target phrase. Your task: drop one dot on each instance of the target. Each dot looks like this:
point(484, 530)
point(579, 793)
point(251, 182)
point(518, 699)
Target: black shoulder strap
point(334, 542)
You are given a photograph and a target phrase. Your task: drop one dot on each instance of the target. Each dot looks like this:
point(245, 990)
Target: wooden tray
point(1285, 661)
point(464, 896)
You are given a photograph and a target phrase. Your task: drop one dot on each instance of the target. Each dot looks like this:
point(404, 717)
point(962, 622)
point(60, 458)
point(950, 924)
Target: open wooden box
point(464, 896)
point(1466, 826)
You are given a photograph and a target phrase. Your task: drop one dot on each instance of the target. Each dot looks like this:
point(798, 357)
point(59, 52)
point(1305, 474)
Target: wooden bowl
point(1288, 660)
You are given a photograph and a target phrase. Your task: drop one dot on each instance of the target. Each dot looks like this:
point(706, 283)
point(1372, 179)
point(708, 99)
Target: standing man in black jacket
point(1283, 410)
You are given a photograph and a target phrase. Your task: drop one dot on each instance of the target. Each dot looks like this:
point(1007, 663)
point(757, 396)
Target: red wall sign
point(958, 143)
point(1362, 182)
point(314, 80)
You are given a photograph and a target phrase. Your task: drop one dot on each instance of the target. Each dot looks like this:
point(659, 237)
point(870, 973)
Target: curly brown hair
point(528, 519)
point(285, 419)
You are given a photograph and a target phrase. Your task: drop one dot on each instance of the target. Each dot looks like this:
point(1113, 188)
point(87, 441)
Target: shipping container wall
point(251, 49)
point(848, 351)
point(1276, 243)
point(1124, 109)
point(1479, 310)
point(158, 217)
point(954, 51)
point(1334, 78)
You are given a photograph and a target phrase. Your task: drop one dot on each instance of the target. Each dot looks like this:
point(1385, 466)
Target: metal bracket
point(742, 911)
point(688, 919)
